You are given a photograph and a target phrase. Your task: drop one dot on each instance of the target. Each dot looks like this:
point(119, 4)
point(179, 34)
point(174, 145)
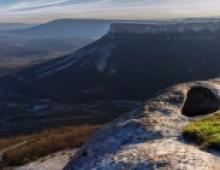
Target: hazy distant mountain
point(83, 28)
point(14, 26)
point(25, 44)
point(72, 28)
point(129, 64)
point(66, 28)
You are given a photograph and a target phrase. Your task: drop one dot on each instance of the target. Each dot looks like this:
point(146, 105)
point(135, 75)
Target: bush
point(205, 132)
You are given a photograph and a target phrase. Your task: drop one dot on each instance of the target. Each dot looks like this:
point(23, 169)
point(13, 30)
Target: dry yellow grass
point(44, 143)
point(7, 142)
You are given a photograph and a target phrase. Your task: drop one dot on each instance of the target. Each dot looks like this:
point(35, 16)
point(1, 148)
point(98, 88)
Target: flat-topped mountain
point(122, 65)
point(14, 26)
point(66, 28)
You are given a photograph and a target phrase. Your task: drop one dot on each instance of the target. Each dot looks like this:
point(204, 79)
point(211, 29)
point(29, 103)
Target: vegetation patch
point(25, 149)
point(205, 132)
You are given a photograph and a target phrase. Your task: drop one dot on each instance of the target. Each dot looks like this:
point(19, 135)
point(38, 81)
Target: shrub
point(205, 132)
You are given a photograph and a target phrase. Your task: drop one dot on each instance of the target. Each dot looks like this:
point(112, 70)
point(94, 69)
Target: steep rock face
point(123, 65)
point(165, 27)
point(149, 137)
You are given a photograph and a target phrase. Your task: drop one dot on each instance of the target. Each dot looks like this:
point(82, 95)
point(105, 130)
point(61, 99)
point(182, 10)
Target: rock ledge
point(149, 137)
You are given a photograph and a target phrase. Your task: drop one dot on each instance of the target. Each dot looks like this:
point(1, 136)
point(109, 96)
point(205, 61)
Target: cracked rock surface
point(149, 137)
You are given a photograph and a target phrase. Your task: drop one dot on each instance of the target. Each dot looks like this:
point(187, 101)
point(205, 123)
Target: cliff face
point(164, 27)
point(102, 70)
point(150, 137)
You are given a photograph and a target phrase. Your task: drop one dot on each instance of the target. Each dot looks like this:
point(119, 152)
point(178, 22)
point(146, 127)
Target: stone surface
point(149, 138)
point(52, 162)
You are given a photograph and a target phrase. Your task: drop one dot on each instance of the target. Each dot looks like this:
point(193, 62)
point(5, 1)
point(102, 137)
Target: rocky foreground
point(151, 137)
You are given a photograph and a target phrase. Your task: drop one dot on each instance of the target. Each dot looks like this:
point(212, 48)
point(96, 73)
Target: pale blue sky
point(44, 10)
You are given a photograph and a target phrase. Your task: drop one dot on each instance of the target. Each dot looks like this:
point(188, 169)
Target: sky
point(38, 11)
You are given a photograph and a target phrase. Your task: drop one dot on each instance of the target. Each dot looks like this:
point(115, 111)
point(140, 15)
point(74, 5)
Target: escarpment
point(151, 137)
point(148, 57)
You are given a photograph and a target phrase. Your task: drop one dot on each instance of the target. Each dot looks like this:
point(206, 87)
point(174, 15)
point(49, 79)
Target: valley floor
point(67, 127)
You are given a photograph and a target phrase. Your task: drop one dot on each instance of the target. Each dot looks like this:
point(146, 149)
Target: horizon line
point(114, 19)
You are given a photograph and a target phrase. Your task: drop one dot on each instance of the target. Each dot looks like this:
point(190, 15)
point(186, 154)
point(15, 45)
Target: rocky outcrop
point(150, 137)
point(54, 161)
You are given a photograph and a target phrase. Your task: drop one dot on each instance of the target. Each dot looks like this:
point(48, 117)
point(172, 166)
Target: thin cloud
point(43, 10)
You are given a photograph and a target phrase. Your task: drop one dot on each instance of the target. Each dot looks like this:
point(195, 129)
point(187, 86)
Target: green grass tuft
point(205, 132)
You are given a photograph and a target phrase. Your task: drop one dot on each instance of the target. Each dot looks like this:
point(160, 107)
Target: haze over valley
point(23, 45)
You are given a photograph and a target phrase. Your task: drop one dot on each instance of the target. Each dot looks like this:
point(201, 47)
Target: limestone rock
point(150, 137)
